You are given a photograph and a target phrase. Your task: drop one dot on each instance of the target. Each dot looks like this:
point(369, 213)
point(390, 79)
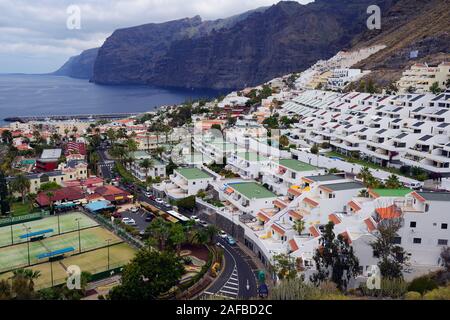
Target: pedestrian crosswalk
point(231, 288)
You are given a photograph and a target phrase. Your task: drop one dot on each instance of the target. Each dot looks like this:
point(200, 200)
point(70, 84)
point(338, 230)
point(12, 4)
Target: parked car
point(223, 234)
point(159, 200)
point(135, 210)
point(129, 221)
point(195, 218)
point(149, 217)
point(167, 205)
point(203, 223)
point(231, 241)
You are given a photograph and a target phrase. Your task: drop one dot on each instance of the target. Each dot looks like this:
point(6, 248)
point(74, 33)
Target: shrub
point(412, 295)
point(442, 293)
point(394, 288)
point(422, 284)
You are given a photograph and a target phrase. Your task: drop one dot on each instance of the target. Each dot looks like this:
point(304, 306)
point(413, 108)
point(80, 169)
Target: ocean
point(40, 95)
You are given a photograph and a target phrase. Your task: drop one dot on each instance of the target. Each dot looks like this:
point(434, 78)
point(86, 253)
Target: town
point(318, 177)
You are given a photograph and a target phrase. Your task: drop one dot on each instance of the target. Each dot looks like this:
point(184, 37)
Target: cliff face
point(407, 26)
point(262, 45)
point(80, 67)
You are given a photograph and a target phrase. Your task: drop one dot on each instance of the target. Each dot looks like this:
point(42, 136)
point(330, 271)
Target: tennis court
point(93, 262)
point(67, 223)
point(16, 256)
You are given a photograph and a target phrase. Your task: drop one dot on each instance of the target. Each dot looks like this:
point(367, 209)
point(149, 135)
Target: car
point(149, 217)
point(159, 200)
point(117, 215)
point(168, 206)
point(231, 241)
point(203, 223)
point(220, 245)
point(195, 218)
point(223, 234)
point(129, 221)
point(135, 210)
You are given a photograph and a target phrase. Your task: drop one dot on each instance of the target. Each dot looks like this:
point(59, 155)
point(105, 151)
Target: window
point(417, 240)
point(397, 240)
point(412, 224)
point(442, 242)
point(444, 226)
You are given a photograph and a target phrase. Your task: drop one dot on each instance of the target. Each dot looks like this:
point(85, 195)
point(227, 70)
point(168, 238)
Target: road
point(238, 279)
point(105, 164)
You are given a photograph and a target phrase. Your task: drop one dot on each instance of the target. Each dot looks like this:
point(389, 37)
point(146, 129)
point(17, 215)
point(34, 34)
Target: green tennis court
point(67, 223)
point(92, 262)
point(16, 256)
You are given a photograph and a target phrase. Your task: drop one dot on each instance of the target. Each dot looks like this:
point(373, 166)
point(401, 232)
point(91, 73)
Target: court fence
point(8, 221)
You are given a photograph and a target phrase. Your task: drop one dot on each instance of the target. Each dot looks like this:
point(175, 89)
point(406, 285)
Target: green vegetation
point(186, 203)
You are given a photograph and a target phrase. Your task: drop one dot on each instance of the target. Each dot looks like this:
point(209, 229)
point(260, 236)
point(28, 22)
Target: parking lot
point(139, 217)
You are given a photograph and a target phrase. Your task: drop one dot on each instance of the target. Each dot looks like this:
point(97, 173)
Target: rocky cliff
point(80, 67)
point(262, 45)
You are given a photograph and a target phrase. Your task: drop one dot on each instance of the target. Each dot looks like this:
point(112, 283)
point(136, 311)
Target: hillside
point(409, 25)
point(80, 67)
point(284, 38)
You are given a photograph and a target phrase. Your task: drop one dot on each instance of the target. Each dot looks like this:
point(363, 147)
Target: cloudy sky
point(34, 37)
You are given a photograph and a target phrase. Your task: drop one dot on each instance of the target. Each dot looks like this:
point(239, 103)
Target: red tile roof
point(311, 202)
point(334, 218)
point(293, 245)
point(64, 194)
point(354, 206)
point(278, 229)
point(418, 197)
point(263, 217)
point(313, 230)
point(370, 225)
point(346, 236)
point(295, 215)
point(391, 212)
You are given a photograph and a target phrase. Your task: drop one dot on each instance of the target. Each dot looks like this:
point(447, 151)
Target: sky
point(38, 36)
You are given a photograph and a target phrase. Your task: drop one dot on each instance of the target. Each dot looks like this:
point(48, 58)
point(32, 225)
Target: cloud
point(37, 29)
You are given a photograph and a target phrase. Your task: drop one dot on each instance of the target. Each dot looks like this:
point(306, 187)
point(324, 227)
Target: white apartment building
point(247, 164)
point(158, 169)
point(421, 77)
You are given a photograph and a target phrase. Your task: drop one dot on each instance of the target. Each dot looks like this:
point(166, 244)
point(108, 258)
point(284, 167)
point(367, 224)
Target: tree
point(285, 267)
point(393, 182)
point(177, 236)
point(435, 89)
point(284, 141)
point(335, 259)
point(5, 290)
point(50, 196)
point(7, 137)
point(159, 231)
point(146, 164)
point(148, 275)
point(22, 287)
point(316, 151)
point(392, 257)
point(299, 226)
point(31, 198)
point(211, 231)
point(4, 198)
point(187, 203)
point(21, 185)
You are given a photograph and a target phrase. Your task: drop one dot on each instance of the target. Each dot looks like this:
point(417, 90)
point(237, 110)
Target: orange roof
point(307, 180)
point(313, 230)
point(293, 245)
point(295, 192)
point(311, 202)
point(334, 218)
point(370, 225)
point(354, 206)
point(326, 189)
point(418, 197)
point(278, 229)
point(295, 215)
point(390, 212)
point(280, 204)
point(263, 217)
point(346, 236)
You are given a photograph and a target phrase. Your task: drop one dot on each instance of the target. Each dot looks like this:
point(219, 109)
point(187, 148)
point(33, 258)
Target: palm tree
point(50, 196)
point(299, 226)
point(178, 236)
point(27, 274)
point(146, 164)
point(393, 182)
point(365, 175)
point(159, 231)
point(31, 198)
point(22, 185)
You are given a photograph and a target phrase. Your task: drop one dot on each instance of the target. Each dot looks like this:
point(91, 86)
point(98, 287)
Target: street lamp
point(27, 230)
point(109, 241)
point(79, 234)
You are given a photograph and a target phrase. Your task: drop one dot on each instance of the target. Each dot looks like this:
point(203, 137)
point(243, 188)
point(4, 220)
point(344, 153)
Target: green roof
point(193, 173)
point(392, 192)
point(252, 190)
point(296, 165)
point(251, 156)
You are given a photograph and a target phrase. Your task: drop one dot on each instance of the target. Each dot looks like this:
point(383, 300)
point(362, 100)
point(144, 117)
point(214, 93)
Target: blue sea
point(31, 95)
